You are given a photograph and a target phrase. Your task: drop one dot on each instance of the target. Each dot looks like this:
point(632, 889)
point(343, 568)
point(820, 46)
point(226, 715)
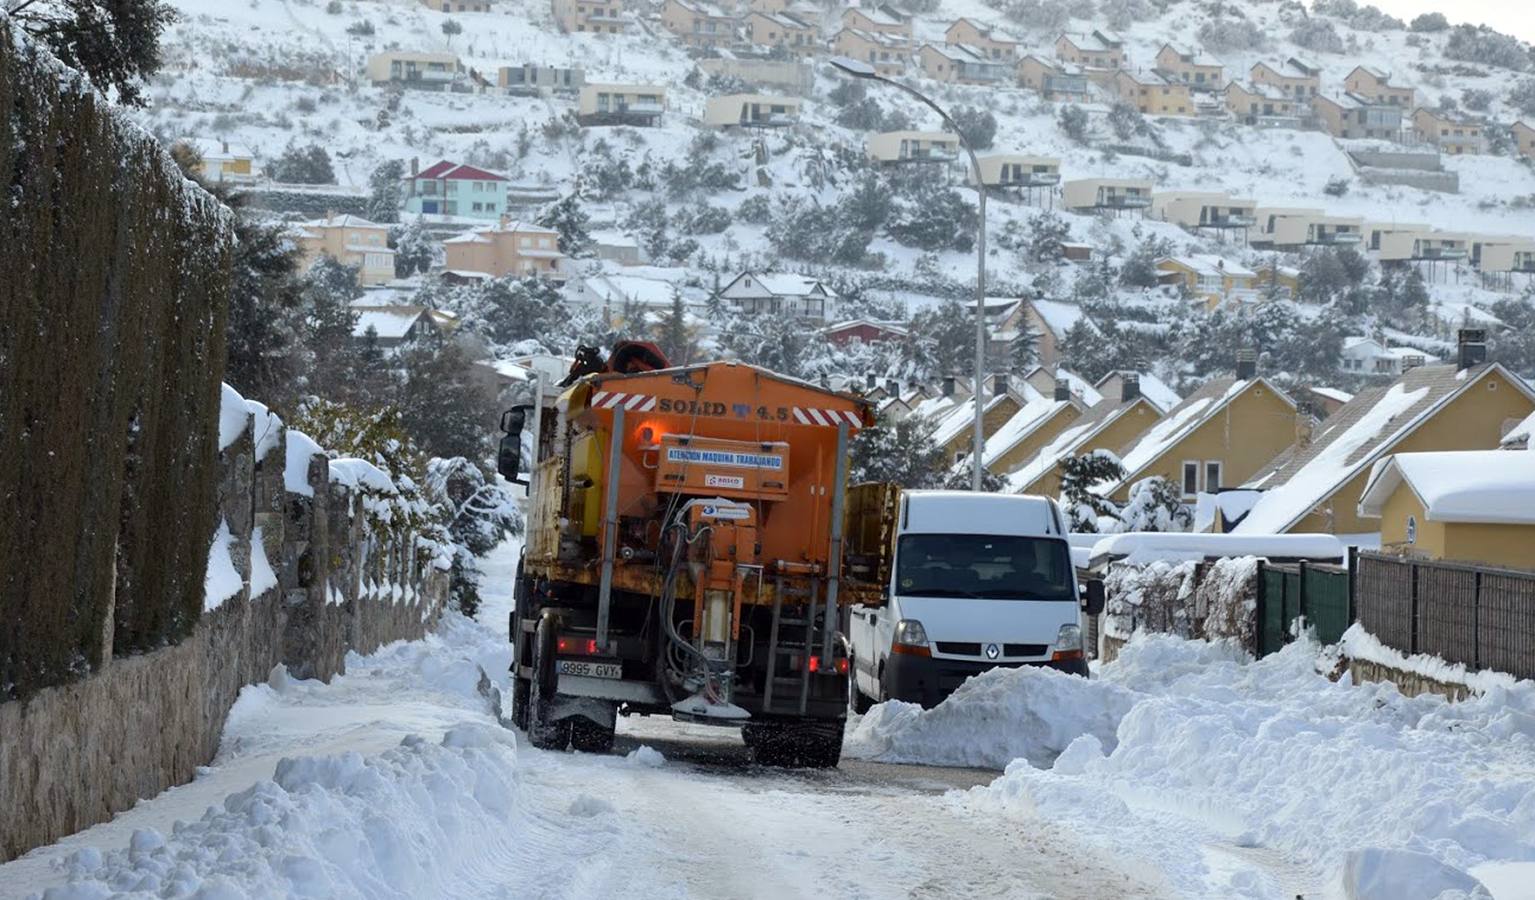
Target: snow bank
point(359, 473)
point(403, 823)
point(301, 448)
point(993, 719)
point(1357, 643)
point(222, 579)
point(1356, 786)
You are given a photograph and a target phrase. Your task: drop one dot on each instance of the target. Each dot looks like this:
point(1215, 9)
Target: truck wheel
point(542, 732)
point(589, 737)
point(860, 702)
point(521, 689)
point(799, 745)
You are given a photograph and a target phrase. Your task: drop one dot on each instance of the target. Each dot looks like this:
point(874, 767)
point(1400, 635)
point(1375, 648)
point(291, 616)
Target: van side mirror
point(1093, 597)
point(509, 453)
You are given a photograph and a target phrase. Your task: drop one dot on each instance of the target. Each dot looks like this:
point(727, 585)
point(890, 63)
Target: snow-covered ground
point(1181, 770)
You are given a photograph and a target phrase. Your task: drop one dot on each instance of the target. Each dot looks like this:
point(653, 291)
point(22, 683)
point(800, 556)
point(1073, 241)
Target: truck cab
point(976, 581)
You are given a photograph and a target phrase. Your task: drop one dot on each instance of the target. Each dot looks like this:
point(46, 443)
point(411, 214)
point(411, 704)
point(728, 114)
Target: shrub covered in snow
point(1430, 22)
point(1224, 34)
point(1319, 35)
point(1481, 44)
point(1189, 599)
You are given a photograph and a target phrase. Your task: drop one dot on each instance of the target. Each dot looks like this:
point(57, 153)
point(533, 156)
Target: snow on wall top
point(1138, 548)
point(234, 416)
point(301, 448)
point(265, 426)
point(1493, 486)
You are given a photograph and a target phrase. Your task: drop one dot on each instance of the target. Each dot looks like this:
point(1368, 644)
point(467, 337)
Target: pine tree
point(114, 43)
point(329, 322)
point(1078, 475)
point(413, 248)
point(442, 407)
point(1156, 504)
point(1023, 350)
point(303, 165)
point(673, 334)
point(386, 191)
point(568, 218)
point(901, 452)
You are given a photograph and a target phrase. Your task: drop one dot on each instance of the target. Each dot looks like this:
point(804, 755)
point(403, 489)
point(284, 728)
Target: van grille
point(1025, 649)
point(954, 648)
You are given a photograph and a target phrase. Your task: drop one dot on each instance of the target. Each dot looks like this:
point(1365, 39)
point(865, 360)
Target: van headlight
point(910, 639)
point(1069, 639)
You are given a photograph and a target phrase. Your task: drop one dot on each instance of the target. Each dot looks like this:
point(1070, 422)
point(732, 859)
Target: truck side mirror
point(509, 453)
point(1093, 601)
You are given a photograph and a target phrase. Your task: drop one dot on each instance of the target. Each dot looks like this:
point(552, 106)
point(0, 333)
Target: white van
point(977, 581)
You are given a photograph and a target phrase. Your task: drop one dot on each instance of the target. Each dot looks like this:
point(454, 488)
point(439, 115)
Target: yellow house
point(590, 16)
point(219, 160)
point(1211, 279)
point(1285, 278)
point(1034, 425)
point(508, 248)
point(1153, 94)
point(968, 31)
point(751, 111)
point(1524, 139)
point(1190, 66)
point(351, 241)
point(887, 53)
point(1111, 194)
point(1295, 77)
point(1455, 135)
point(1475, 506)
point(913, 146)
point(1316, 486)
point(961, 64)
point(1354, 116)
point(1098, 50)
point(1256, 102)
point(1108, 425)
point(699, 24)
point(1218, 437)
point(879, 20)
point(781, 29)
point(1375, 84)
point(954, 433)
point(1053, 80)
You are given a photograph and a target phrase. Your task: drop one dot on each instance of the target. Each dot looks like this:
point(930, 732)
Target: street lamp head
point(854, 67)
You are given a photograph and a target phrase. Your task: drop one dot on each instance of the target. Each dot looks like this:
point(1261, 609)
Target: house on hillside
point(518, 249)
point(1114, 195)
point(1150, 386)
point(887, 53)
point(1296, 78)
point(1016, 170)
point(961, 64)
point(219, 160)
point(1198, 210)
point(1524, 139)
point(1352, 116)
point(782, 29)
point(1277, 279)
point(781, 294)
point(879, 20)
point(697, 23)
point(1470, 506)
point(1097, 50)
point(1292, 229)
point(913, 146)
point(1055, 81)
point(590, 16)
point(1218, 437)
point(457, 6)
point(530, 80)
point(1153, 94)
point(350, 240)
point(1375, 85)
point(1212, 280)
point(1262, 104)
point(1052, 320)
point(1397, 244)
point(866, 331)
point(452, 189)
point(1316, 486)
point(1502, 253)
point(392, 327)
point(1394, 241)
point(417, 70)
point(1110, 424)
point(954, 433)
point(1035, 424)
point(1363, 355)
point(1190, 66)
point(751, 111)
point(621, 104)
point(1048, 379)
point(973, 34)
point(1451, 133)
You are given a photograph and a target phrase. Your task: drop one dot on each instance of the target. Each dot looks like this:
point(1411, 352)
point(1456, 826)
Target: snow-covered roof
point(343, 220)
point(451, 171)
point(1210, 265)
point(1060, 316)
point(892, 327)
point(880, 15)
point(1089, 42)
point(1353, 438)
point(1152, 388)
point(1522, 434)
point(210, 149)
point(388, 322)
point(1491, 486)
point(957, 420)
point(1023, 423)
point(1332, 394)
point(933, 407)
point(784, 284)
point(1069, 442)
point(1140, 548)
point(479, 235)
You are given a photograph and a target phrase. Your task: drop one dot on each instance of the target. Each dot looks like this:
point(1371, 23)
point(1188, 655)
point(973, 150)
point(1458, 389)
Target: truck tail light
point(577, 646)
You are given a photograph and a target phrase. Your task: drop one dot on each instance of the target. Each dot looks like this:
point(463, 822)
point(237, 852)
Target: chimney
point(1247, 363)
point(1305, 423)
point(1062, 390)
point(892, 387)
point(1129, 386)
point(225, 145)
point(415, 165)
point(948, 385)
point(870, 382)
point(999, 383)
point(1473, 347)
point(506, 219)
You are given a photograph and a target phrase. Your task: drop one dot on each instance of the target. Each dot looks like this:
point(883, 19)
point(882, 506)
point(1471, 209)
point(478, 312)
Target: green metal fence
point(1318, 594)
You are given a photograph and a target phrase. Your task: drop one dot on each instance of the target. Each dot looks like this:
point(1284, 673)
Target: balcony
point(940, 154)
point(1227, 220)
point(1438, 253)
point(1124, 201)
point(1330, 238)
point(1012, 178)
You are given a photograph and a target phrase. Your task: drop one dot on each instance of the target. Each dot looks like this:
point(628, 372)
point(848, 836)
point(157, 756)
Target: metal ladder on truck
point(790, 637)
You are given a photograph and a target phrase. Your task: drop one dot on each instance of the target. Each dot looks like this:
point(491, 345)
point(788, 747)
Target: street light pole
point(859, 69)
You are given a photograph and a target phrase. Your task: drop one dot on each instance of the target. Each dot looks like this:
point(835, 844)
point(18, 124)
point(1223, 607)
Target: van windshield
point(992, 566)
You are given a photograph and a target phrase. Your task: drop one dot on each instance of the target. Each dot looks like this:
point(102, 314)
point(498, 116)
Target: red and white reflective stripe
point(828, 417)
point(630, 402)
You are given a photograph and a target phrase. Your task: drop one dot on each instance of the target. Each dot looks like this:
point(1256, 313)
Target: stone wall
point(75, 755)
point(1411, 684)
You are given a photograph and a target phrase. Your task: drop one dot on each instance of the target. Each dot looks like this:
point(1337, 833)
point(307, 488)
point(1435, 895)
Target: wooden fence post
point(1353, 575)
point(1300, 595)
point(1413, 567)
point(1476, 620)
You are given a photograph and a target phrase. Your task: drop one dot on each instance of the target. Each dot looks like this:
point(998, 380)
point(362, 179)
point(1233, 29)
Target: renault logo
point(992, 651)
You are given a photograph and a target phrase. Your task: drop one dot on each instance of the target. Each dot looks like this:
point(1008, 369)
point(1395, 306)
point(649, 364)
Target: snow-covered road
point(1183, 771)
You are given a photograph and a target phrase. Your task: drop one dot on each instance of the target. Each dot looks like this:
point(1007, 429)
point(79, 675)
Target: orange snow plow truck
point(683, 551)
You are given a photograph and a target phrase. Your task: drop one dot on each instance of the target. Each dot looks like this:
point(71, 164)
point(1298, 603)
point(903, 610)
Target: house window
point(1190, 478)
point(1212, 475)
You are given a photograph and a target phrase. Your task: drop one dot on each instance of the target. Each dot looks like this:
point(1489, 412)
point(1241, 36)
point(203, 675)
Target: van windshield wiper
point(938, 592)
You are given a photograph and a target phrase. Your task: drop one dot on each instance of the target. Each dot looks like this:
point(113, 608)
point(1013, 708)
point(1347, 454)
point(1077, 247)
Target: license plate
point(589, 669)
